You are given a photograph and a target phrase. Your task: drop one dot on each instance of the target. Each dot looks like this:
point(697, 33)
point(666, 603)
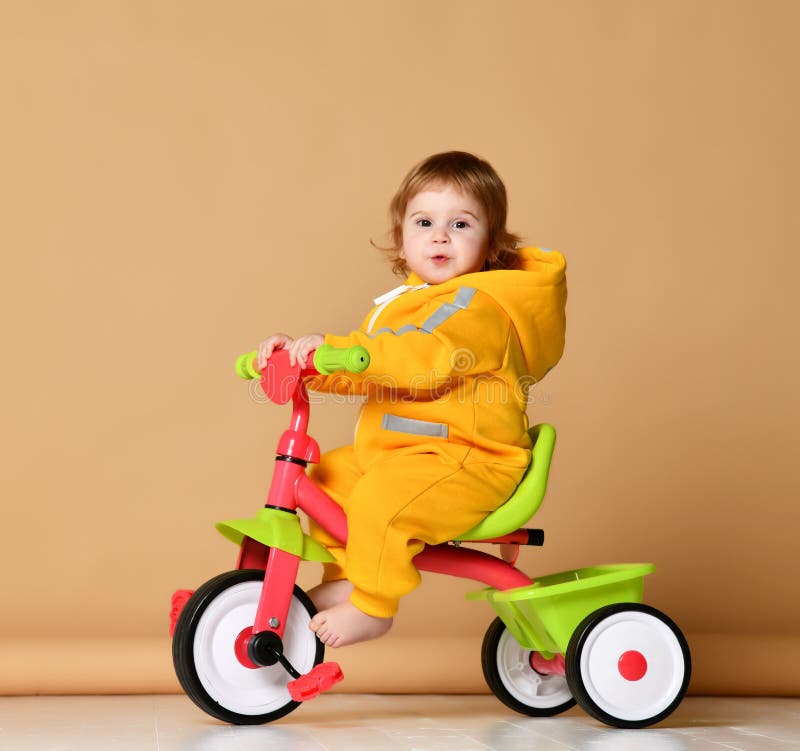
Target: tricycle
point(243, 651)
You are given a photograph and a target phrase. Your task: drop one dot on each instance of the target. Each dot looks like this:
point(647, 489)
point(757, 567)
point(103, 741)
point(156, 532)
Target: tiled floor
point(348, 722)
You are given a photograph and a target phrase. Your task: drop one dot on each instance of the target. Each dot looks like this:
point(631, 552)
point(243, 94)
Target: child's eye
point(424, 222)
point(460, 224)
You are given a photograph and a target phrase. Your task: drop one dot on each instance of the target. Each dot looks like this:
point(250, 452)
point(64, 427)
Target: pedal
point(179, 598)
point(316, 681)
point(327, 673)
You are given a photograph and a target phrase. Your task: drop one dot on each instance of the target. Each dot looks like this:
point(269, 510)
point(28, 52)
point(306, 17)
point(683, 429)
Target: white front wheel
point(205, 656)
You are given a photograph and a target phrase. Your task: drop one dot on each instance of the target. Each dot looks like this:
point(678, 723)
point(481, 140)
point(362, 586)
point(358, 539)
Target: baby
point(441, 440)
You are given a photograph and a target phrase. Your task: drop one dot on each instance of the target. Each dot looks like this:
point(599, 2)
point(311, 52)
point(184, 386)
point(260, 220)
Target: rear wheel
point(204, 650)
point(628, 665)
point(508, 672)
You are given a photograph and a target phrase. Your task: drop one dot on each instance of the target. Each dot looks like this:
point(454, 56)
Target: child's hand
point(298, 351)
point(266, 348)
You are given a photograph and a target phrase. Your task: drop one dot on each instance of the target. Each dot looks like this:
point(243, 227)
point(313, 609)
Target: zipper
point(358, 422)
point(382, 302)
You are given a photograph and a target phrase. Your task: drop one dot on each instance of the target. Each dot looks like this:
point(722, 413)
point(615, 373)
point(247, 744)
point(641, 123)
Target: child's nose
point(441, 236)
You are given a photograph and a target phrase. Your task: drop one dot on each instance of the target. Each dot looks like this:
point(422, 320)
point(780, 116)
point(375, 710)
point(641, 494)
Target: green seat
point(528, 496)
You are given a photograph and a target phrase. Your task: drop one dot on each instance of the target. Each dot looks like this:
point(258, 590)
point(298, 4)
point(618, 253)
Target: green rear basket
point(544, 615)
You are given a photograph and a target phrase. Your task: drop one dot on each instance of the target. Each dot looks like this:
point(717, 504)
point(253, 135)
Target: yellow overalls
point(442, 436)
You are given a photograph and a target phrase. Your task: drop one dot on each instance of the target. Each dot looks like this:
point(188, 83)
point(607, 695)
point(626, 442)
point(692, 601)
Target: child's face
point(445, 234)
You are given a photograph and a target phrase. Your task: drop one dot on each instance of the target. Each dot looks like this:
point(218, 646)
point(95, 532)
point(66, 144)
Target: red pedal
point(320, 678)
point(327, 673)
point(304, 688)
point(179, 598)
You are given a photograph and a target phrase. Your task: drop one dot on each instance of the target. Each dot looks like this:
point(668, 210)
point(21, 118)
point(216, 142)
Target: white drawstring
point(387, 297)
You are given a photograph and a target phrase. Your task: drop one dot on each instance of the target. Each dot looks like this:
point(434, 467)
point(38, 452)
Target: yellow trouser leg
point(336, 474)
point(400, 504)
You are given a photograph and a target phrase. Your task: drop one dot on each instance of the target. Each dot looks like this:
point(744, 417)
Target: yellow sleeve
point(456, 335)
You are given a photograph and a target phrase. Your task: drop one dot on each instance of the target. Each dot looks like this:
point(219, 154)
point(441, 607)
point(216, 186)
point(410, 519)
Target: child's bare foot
point(345, 624)
point(328, 594)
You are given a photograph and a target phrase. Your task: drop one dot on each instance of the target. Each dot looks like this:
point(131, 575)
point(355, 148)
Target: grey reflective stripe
point(405, 329)
point(462, 300)
point(443, 312)
point(415, 427)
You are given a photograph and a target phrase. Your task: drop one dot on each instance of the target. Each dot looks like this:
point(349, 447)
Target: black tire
point(207, 628)
point(508, 672)
point(596, 675)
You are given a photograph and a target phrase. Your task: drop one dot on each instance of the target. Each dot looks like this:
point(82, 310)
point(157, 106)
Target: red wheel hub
point(240, 648)
point(632, 665)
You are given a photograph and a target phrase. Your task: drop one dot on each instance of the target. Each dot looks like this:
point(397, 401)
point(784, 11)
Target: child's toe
point(317, 622)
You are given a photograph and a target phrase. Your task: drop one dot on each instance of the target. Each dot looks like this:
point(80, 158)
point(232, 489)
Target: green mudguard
point(276, 529)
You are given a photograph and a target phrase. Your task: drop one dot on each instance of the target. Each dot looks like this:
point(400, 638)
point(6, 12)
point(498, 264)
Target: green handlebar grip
point(244, 365)
point(328, 358)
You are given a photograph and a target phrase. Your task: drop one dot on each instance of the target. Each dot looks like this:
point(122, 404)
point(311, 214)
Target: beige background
point(177, 177)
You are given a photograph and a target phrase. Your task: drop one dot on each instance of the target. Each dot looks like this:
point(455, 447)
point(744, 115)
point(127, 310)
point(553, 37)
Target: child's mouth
point(439, 259)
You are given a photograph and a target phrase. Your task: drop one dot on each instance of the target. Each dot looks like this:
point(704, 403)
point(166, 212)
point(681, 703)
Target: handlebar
point(326, 360)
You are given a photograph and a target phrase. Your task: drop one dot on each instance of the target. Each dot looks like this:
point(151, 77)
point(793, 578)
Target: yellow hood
point(534, 298)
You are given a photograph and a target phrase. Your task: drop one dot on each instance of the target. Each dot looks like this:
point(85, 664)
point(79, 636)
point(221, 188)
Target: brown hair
point(470, 175)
